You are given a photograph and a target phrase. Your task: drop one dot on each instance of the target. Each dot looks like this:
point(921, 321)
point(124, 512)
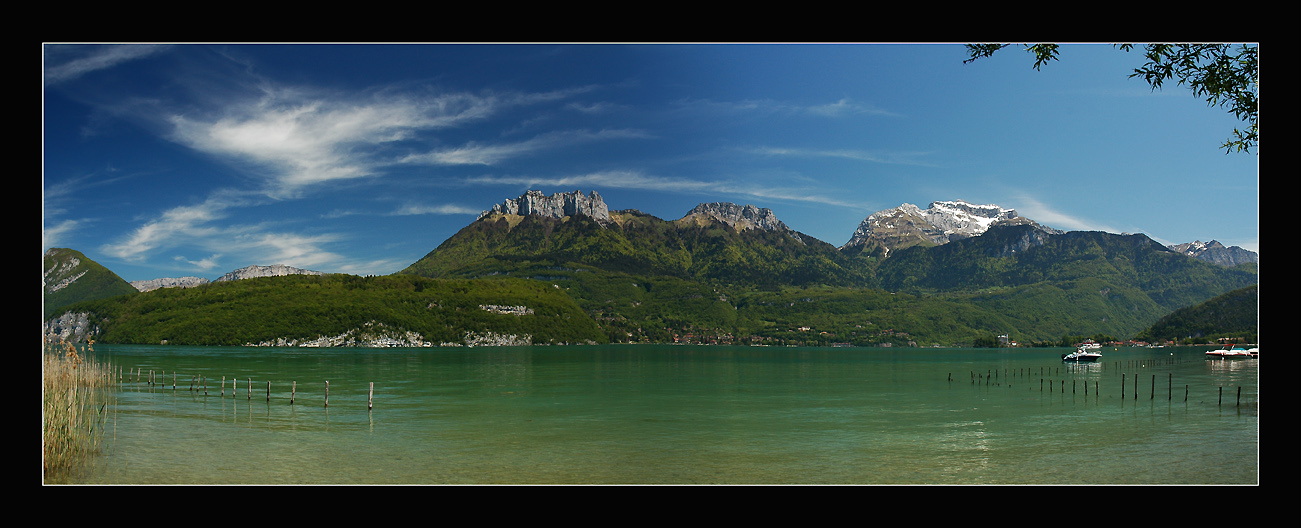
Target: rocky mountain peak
point(557, 205)
point(739, 217)
point(1216, 253)
point(168, 282)
point(941, 222)
point(274, 270)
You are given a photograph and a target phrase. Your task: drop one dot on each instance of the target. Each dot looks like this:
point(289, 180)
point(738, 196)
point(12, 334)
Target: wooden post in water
point(292, 391)
point(1185, 392)
point(173, 380)
point(1153, 395)
point(268, 390)
point(1239, 402)
point(370, 399)
point(250, 388)
point(327, 393)
point(1136, 386)
point(223, 386)
point(1221, 396)
point(1122, 385)
point(1170, 387)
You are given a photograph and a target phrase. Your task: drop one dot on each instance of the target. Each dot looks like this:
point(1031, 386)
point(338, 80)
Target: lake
point(653, 414)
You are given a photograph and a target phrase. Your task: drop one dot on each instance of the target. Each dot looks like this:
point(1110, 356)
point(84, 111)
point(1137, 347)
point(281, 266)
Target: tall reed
point(75, 400)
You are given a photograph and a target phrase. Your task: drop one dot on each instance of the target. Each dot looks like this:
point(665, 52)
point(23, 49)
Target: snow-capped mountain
point(1216, 253)
point(941, 222)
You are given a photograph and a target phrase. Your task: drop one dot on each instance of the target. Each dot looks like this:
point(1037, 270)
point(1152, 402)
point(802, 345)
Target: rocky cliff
point(737, 217)
point(177, 282)
point(558, 205)
point(1216, 253)
point(274, 270)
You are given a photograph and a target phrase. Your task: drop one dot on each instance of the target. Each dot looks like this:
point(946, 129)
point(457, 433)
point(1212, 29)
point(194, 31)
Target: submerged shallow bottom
point(680, 415)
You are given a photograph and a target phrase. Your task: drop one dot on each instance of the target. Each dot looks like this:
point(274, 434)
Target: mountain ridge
point(722, 273)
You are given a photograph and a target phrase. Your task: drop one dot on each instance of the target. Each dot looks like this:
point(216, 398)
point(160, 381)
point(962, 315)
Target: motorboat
point(1232, 352)
point(1082, 354)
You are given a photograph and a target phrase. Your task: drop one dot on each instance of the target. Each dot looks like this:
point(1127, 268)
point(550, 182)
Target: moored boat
point(1233, 352)
point(1082, 354)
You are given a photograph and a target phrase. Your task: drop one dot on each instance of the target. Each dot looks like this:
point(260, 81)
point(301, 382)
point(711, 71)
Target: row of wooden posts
point(203, 383)
point(992, 374)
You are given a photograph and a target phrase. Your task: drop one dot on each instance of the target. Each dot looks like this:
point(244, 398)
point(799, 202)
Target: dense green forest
point(1234, 315)
point(313, 306)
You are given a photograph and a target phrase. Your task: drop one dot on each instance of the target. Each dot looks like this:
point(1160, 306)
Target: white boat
point(1232, 352)
point(1082, 354)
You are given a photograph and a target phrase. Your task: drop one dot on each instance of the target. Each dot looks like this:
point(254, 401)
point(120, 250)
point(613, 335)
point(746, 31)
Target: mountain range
point(726, 271)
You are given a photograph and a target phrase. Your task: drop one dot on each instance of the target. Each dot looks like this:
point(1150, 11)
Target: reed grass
point(75, 401)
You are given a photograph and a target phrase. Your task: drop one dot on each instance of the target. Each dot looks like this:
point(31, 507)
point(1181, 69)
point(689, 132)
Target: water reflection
point(676, 414)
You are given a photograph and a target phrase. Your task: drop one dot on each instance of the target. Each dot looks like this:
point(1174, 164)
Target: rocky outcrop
point(557, 206)
point(474, 339)
point(738, 217)
point(370, 335)
point(177, 282)
point(69, 327)
point(274, 270)
point(61, 275)
point(1216, 253)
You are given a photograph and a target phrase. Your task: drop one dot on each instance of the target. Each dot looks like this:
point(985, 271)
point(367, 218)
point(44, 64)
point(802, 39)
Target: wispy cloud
point(299, 139)
point(481, 154)
point(207, 264)
point(845, 107)
point(894, 158)
point(60, 68)
point(52, 236)
point(1038, 211)
point(445, 209)
point(841, 108)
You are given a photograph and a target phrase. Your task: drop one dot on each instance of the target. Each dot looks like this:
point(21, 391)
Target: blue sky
point(195, 160)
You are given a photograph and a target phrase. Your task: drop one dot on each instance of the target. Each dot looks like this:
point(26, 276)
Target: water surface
point(649, 414)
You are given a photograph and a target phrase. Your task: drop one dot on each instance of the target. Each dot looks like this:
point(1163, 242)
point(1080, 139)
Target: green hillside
point(643, 279)
point(70, 277)
point(1233, 315)
point(638, 243)
point(307, 307)
point(647, 279)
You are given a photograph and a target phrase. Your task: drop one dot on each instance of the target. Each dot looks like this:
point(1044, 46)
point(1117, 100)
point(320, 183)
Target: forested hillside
point(309, 307)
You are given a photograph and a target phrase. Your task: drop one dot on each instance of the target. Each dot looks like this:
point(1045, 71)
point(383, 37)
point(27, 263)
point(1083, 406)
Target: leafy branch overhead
point(1221, 74)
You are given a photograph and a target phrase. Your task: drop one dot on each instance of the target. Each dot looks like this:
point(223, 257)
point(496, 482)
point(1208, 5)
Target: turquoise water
point(649, 414)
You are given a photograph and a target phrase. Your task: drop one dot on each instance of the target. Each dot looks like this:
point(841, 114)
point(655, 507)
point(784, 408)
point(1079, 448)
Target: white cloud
point(206, 264)
point(445, 209)
point(1044, 214)
point(97, 58)
point(184, 223)
point(895, 158)
point(845, 107)
point(51, 236)
point(300, 139)
point(478, 154)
